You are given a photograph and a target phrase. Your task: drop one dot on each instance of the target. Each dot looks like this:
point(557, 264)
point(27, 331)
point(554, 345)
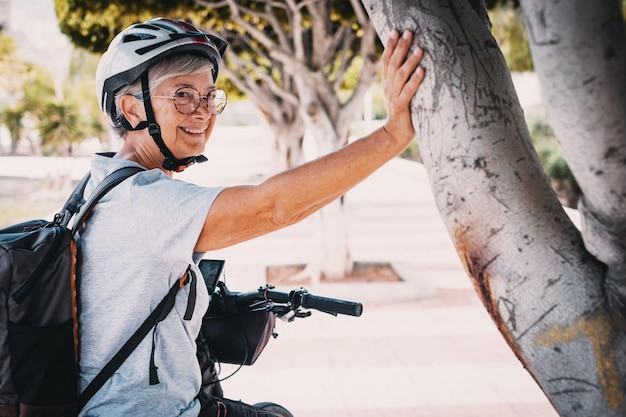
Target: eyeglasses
point(187, 100)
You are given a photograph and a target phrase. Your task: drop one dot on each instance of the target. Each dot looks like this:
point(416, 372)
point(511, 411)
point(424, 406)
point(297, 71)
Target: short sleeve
point(169, 213)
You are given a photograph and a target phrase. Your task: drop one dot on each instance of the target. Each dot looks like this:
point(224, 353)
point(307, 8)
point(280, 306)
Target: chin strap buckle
point(179, 165)
point(154, 129)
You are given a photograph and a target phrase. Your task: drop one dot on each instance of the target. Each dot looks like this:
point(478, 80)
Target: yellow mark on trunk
point(597, 329)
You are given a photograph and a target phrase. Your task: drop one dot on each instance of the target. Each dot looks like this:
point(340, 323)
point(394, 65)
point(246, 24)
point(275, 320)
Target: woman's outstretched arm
point(243, 212)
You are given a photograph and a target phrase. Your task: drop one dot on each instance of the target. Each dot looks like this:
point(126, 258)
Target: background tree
point(11, 109)
point(12, 117)
point(32, 109)
point(31, 89)
point(290, 58)
point(60, 127)
point(307, 49)
point(80, 89)
point(555, 293)
point(51, 123)
point(9, 63)
point(507, 27)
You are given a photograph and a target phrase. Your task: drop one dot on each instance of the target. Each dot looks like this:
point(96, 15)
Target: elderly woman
point(156, 84)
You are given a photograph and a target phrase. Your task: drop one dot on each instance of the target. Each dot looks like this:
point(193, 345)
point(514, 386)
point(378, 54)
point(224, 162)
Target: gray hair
point(174, 66)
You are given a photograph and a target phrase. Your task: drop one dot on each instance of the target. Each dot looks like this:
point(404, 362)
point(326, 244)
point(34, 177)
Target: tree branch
point(296, 30)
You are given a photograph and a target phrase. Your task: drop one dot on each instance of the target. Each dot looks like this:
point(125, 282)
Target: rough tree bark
point(583, 76)
point(545, 291)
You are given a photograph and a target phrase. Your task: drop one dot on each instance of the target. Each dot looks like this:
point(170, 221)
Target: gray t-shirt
point(139, 239)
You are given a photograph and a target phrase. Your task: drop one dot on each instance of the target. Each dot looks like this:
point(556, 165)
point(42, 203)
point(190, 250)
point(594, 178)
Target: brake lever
point(302, 313)
point(289, 314)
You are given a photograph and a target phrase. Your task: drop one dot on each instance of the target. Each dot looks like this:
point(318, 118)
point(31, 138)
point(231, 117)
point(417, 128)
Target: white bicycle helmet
point(138, 47)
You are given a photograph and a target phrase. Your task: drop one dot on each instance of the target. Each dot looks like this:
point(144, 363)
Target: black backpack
point(38, 326)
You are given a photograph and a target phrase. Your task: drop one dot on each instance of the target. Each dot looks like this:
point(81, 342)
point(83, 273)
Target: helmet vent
point(147, 26)
point(166, 27)
point(132, 37)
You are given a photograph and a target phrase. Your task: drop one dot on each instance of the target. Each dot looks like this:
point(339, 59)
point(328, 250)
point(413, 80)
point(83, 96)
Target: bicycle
point(238, 325)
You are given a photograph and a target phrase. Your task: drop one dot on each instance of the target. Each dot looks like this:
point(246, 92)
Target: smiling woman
point(156, 84)
point(181, 126)
point(171, 78)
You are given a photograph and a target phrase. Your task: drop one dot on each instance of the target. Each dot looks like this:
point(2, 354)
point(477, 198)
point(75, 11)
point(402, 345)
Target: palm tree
point(12, 117)
point(60, 126)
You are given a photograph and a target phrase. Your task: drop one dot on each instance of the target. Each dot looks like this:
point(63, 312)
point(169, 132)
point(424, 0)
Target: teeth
point(194, 132)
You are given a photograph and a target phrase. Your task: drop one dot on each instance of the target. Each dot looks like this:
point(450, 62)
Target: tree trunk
point(288, 138)
point(333, 260)
point(288, 149)
point(580, 56)
point(15, 140)
point(526, 259)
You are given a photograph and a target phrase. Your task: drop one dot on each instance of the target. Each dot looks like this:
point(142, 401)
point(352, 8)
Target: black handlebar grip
point(331, 305)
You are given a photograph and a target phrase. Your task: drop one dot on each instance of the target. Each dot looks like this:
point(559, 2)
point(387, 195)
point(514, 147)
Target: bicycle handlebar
point(303, 298)
point(293, 300)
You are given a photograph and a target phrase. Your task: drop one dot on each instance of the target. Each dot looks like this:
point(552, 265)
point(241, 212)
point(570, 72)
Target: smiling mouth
point(193, 131)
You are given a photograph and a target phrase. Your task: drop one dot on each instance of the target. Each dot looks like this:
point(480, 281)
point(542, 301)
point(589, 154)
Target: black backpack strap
point(73, 203)
point(101, 189)
point(159, 313)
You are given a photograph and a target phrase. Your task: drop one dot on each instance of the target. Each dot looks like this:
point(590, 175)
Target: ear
point(132, 109)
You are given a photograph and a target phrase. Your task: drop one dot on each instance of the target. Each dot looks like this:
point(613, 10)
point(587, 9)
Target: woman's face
point(184, 134)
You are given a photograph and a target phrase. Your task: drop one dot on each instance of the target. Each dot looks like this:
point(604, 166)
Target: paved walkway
point(425, 347)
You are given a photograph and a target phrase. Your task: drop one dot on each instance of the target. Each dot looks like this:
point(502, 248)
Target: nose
point(204, 107)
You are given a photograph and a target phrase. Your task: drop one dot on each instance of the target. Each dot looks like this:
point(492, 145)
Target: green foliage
point(351, 78)
point(93, 24)
point(27, 88)
point(260, 32)
point(412, 152)
point(60, 126)
point(509, 31)
point(13, 118)
point(65, 121)
point(33, 103)
point(11, 68)
point(262, 43)
point(379, 108)
point(8, 48)
point(494, 3)
point(81, 88)
point(554, 165)
point(37, 91)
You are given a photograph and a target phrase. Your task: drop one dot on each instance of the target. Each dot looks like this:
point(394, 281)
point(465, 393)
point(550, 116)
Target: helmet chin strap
point(170, 163)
